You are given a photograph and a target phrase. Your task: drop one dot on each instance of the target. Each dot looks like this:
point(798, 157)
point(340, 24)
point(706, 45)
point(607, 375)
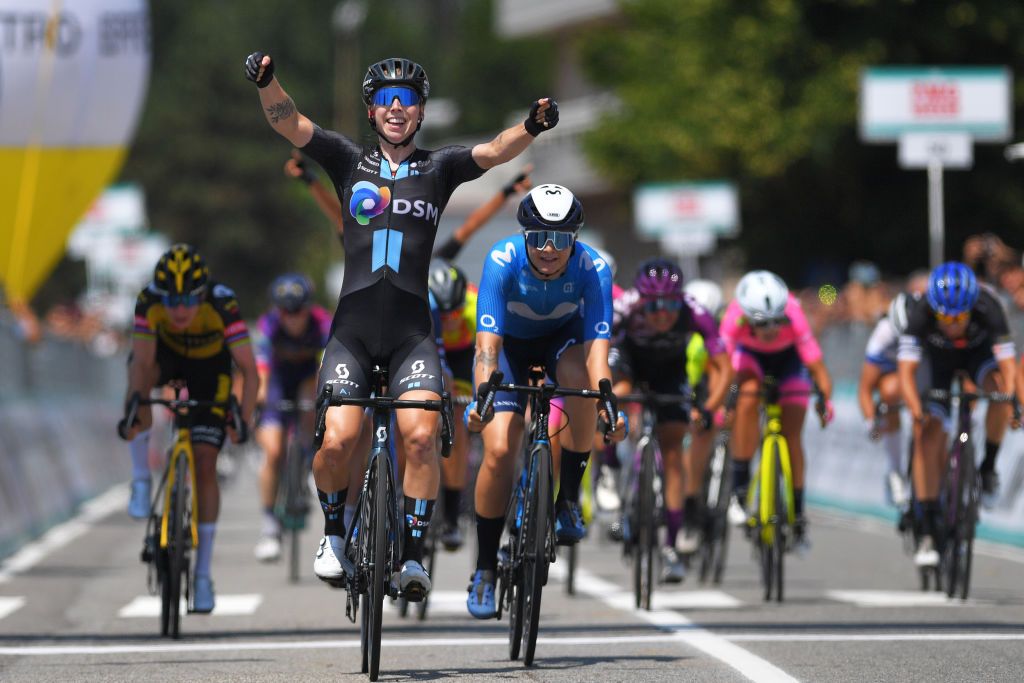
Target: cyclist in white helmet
point(767, 333)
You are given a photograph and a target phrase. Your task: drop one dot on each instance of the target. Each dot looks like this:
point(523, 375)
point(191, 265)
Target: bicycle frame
point(182, 448)
point(763, 486)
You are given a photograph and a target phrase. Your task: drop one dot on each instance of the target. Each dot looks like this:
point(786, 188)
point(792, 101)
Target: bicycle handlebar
point(181, 407)
point(489, 388)
point(327, 399)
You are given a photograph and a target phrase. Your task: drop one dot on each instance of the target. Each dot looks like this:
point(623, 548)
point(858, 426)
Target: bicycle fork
point(177, 452)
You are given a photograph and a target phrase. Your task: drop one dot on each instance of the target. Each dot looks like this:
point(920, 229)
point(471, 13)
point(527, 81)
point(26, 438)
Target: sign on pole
point(671, 208)
point(935, 114)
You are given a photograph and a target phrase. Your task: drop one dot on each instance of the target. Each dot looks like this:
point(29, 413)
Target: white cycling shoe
point(897, 489)
point(606, 494)
point(926, 555)
point(736, 514)
point(688, 540)
point(414, 581)
point(327, 565)
point(268, 548)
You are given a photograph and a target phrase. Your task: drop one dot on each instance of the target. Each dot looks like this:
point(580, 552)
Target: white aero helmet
point(762, 295)
point(898, 312)
point(706, 293)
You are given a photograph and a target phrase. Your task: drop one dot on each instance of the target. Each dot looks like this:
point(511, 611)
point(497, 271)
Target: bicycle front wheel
point(536, 522)
point(717, 491)
point(178, 535)
point(782, 529)
point(380, 570)
point(646, 531)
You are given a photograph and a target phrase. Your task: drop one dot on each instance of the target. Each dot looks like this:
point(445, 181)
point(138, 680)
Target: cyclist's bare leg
point(418, 430)
point(270, 438)
point(695, 459)
point(745, 433)
point(331, 463)
point(577, 439)
point(889, 393)
point(502, 439)
point(792, 429)
point(997, 417)
point(927, 467)
point(207, 489)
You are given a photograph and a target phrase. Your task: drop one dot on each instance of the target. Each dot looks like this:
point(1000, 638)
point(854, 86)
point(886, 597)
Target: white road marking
point(10, 605)
point(62, 534)
point(698, 599)
point(227, 606)
point(681, 629)
point(441, 602)
point(184, 648)
point(877, 598)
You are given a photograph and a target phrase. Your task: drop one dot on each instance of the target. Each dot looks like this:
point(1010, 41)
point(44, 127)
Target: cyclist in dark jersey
point(962, 327)
point(392, 196)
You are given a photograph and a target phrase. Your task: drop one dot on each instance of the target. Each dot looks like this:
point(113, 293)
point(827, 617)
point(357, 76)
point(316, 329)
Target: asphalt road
point(74, 606)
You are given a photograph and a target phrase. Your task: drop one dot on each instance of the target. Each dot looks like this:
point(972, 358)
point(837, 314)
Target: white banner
point(671, 208)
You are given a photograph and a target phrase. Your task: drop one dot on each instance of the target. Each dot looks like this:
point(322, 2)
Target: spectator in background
point(865, 297)
point(989, 257)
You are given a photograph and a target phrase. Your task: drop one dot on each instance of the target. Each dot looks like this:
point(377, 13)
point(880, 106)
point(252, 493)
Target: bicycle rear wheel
point(536, 521)
point(716, 492)
point(178, 535)
point(646, 531)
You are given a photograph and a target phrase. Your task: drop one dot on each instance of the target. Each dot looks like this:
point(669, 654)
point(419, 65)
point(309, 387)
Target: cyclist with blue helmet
point(962, 327)
point(290, 338)
point(545, 299)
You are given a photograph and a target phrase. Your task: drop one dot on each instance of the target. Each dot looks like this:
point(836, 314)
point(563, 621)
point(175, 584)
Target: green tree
point(765, 92)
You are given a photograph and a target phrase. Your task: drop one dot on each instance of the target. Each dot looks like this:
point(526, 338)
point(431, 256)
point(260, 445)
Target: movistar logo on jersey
point(503, 258)
point(368, 201)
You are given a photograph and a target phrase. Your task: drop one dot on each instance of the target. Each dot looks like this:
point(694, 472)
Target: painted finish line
point(57, 650)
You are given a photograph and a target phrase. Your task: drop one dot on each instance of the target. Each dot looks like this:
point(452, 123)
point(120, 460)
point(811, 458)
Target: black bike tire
point(967, 520)
point(537, 520)
point(782, 529)
point(716, 528)
point(176, 534)
point(767, 551)
point(511, 578)
point(381, 572)
point(951, 514)
point(364, 632)
point(643, 561)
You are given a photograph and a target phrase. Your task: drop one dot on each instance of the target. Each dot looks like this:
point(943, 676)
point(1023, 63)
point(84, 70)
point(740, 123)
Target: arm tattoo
point(280, 110)
point(487, 358)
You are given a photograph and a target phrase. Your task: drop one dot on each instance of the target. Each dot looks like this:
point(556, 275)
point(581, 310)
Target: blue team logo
point(368, 201)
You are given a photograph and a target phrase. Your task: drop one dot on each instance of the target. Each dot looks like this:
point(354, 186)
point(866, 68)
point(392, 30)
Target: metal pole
point(936, 216)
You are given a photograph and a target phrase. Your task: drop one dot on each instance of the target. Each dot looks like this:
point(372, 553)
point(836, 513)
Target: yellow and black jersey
point(217, 325)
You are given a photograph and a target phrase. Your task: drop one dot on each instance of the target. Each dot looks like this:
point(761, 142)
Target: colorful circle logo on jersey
point(368, 201)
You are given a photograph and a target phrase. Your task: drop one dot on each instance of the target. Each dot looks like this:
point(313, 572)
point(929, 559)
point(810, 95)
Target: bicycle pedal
point(339, 583)
point(414, 594)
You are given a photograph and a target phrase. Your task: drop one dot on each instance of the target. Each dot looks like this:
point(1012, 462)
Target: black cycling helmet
point(550, 207)
point(180, 271)
point(395, 71)
point(291, 291)
point(447, 283)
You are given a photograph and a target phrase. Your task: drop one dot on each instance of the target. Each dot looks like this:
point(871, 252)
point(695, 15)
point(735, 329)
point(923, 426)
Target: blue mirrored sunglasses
point(663, 304)
point(538, 239)
point(407, 97)
point(174, 300)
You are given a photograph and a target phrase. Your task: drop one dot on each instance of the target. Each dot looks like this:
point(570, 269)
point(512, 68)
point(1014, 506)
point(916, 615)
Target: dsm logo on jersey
point(368, 201)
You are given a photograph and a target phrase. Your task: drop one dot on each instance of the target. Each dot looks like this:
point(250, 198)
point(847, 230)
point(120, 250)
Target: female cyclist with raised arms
point(392, 195)
point(767, 333)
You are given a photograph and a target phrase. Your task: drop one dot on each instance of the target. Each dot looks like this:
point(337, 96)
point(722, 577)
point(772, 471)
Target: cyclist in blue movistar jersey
point(392, 195)
point(545, 299)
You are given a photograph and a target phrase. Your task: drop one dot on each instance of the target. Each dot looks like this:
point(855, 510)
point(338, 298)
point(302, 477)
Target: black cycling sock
point(691, 510)
point(452, 503)
point(798, 502)
point(991, 450)
point(333, 505)
point(740, 478)
point(926, 514)
point(417, 523)
point(573, 465)
point(488, 536)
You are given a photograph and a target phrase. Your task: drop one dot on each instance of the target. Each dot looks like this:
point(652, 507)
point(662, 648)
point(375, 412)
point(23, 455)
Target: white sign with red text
point(976, 101)
point(663, 209)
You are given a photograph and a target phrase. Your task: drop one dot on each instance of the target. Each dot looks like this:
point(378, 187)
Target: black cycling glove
point(550, 118)
point(253, 63)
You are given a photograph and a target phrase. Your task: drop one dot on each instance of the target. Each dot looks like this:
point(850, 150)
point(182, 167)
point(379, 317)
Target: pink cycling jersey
point(795, 331)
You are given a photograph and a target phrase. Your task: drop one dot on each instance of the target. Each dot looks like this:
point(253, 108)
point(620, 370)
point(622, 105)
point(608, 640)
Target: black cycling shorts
point(659, 375)
point(207, 379)
point(977, 363)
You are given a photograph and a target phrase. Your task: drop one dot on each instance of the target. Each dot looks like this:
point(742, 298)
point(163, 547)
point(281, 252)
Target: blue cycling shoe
point(480, 602)
point(203, 599)
point(569, 527)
